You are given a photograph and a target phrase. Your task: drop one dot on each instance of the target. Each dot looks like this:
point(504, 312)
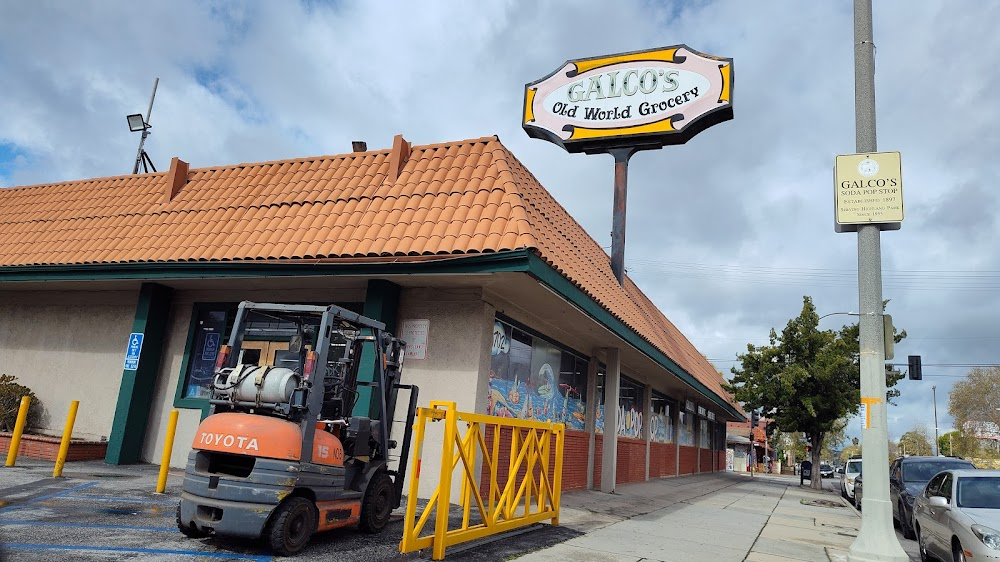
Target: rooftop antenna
point(137, 123)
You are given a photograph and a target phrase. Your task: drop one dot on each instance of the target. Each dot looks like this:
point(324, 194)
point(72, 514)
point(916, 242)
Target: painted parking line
point(124, 499)
point(83, 548)
point(85, 525)
point(20, 502)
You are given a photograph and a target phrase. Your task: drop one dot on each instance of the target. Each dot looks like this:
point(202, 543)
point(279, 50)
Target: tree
point(805, 379)
point(915, 442)
point(973, 402)
point(958, 444)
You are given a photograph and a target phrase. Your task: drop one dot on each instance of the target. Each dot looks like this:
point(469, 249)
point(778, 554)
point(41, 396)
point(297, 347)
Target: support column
point(648, 401)
point(382, 304)
point(591, 419)
point(697, 443)
point(135, 397)
point(676, 415)
point(612, 381)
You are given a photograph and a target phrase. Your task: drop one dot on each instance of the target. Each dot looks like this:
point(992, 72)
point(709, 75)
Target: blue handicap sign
point(211, 348)
point(134, 349)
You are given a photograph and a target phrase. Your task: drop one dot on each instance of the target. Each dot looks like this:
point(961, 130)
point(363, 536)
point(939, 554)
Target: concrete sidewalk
point(719, 517)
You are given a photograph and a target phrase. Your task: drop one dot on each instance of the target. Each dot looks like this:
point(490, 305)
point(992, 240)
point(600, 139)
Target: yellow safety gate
point(506, 505)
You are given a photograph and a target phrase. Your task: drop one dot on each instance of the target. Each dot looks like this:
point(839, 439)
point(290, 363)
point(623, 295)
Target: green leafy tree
point(10, 402)
point(805, 379)
point(973, 402)
point(915, 442)
point(958, 444)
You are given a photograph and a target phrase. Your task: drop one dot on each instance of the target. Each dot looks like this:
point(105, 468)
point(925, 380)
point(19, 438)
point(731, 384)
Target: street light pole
point(876, 539)
point(936, 451)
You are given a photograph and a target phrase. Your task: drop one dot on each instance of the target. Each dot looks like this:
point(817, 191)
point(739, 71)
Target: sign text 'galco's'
point(646, 98)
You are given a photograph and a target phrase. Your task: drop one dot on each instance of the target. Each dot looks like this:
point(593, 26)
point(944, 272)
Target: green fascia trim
point(563, 287)
point(516, 260)
point(135, 397)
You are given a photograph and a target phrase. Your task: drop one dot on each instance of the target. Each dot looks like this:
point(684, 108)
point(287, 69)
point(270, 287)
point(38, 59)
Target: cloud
point(725, 234)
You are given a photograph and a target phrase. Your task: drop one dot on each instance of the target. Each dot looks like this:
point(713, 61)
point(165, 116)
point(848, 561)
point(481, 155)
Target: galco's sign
point(646, 98)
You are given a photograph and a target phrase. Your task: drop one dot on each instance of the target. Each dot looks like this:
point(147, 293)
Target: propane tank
point(254, 383)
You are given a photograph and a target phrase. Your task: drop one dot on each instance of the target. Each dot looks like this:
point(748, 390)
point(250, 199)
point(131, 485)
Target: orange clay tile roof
point(463, 197)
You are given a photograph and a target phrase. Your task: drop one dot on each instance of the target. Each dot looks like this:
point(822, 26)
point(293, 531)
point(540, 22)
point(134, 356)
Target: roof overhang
point(524, 261)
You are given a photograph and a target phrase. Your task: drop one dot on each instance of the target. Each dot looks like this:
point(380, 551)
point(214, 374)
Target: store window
point(532, 378)
point(210, 329)
point(686, 425)
point(705, 434)
point(661, 425)
point(630, 407)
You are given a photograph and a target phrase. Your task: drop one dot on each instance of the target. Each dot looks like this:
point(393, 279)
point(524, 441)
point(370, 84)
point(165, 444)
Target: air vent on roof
point(397, 157)
point(176, 178)
point(359, 146)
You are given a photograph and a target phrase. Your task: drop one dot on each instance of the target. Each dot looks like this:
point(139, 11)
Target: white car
point(957, 516)
point(851, 471)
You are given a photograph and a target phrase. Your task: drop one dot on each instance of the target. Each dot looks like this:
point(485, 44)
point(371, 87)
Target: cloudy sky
point(726, 233)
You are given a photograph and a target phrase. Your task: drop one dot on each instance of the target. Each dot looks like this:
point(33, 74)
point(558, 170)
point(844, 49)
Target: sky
point(726, 233)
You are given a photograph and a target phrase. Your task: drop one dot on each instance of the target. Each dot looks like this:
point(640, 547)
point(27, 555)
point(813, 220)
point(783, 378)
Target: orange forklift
point(284, 452)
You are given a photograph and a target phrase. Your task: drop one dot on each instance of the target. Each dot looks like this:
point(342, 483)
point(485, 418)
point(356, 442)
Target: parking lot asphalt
point(103, 512)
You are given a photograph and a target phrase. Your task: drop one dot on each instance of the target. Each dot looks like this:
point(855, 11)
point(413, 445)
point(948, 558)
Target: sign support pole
point(876, 539)
point(621, 156)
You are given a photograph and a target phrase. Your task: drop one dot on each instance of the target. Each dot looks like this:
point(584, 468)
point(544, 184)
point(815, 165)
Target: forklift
point(284, 452)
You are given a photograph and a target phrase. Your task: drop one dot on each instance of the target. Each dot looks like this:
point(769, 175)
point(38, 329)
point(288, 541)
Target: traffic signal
point(754, 419)
point(914, 371)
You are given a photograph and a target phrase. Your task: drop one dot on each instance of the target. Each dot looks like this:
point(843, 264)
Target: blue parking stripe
point(78, 548)
point(83, 525)
point(15, 504)
point(122, 499)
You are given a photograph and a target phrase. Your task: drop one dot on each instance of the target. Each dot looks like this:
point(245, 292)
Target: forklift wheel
point(292, 523)
point(377, 504)
point(190, 532)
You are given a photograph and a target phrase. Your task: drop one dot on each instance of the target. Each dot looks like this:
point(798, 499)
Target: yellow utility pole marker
point(168, 447)
point(15, 438)
point(67, 435)
point(866, 408)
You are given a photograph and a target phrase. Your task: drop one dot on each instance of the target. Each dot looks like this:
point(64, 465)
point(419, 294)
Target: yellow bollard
point(15, 439)
point(67, 435)
point(168, 447)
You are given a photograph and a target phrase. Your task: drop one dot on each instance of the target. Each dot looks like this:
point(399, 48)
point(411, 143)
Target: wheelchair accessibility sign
point(134, 349)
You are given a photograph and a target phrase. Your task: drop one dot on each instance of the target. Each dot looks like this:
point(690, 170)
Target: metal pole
point(936, 451)
point(618, 219)
point(145, 131)
point(876, 539)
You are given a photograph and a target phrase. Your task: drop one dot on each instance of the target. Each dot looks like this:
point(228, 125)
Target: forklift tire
point(376, 508)
point(190, 532)
point(292, 523)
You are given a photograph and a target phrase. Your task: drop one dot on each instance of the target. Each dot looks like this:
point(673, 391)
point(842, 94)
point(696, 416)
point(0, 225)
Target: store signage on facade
point(414, 333)
point(646, 98)
point(868, 189)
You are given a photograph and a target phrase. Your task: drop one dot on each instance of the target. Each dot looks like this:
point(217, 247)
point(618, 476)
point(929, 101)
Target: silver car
point(851, 471)
point(957, 516)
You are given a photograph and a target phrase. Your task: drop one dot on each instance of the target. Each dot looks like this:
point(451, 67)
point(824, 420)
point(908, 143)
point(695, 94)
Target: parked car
point(858, 492)
point(851, 471)
point(957, 516)
point(907, 478)
point(825, 470)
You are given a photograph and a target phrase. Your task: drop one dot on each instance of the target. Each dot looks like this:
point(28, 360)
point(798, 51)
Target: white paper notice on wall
point(414, 333)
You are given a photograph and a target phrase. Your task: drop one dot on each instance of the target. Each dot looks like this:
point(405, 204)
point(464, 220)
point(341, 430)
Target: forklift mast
point(329, 374)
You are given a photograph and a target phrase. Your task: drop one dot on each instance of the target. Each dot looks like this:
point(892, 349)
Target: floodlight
point(136, 123)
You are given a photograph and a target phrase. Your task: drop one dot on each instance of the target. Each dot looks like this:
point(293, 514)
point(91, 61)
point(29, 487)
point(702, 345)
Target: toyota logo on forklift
point(289, 448)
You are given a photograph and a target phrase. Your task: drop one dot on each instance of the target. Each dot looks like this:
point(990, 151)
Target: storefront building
point(508, 306)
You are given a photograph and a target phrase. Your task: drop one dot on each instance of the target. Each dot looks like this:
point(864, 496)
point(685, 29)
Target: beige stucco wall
point(455, 369)
point(68, 346)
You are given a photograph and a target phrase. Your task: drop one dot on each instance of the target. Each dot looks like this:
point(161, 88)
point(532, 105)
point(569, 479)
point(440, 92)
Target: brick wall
point(630, 465)
point(47, 448)
point(689, 460)
point(575, 452)
point(574, 461)
point(662, 459)
point(706, 460)
point(720, 460)
point(598, 460)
